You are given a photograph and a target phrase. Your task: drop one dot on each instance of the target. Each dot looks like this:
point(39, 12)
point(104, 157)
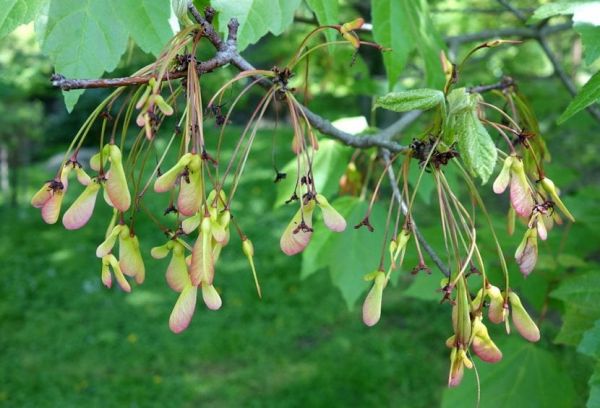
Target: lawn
point(66, 340)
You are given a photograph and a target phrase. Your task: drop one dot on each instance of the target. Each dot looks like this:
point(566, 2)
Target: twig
point(518, 13)
point(541, 31)
point(521, 32)
point(434, 256)
point(505, 83)
point(226, 50)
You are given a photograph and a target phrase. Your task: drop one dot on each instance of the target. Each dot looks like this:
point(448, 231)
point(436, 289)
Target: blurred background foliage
point(68, 341)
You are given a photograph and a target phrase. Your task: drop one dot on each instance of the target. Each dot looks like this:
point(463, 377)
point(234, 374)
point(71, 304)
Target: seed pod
point(503, 178)
point(167, 180)
point(191, 188)
point(527, 252)
point(299, 231)
point(371, 310)
point(177, 272)
point(211, 297)
point(521, 319)
point(248, 250)
point(116, 182)
point(496, 311)
point(202, 267)
point(183, 311)
point(520, 192)
point(333, 219)
point(82, 208)
point(482, 344)
point(130, 257)
point(109, 242)
point(550, 188)
point(461, 311)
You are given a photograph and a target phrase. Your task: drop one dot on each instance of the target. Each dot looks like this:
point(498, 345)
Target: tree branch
point(227, 53)
point(521, 32)
point(541, 32)
point(518, 13)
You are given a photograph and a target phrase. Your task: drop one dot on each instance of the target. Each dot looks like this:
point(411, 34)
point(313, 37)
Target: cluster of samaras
point(204, 214)
point(207, 216)
point(201, 204)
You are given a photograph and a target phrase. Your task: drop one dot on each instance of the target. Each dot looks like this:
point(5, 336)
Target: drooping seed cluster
point(201, 185)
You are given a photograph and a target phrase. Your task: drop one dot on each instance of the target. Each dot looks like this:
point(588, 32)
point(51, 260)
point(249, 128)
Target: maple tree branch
point(227, 54)
point(541, 32)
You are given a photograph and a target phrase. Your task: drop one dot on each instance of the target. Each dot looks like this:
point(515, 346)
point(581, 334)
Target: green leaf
point(590, 38)
point(404, 25)
point(13, 13)
point(553, 9)
point(477, 149)
point(580, 10)
point(589, 94)
point(580, 295)
point(390, 29)
point(328, 166)
point(575, 322)
point(147, 22)
point(594, 383)
point(423, 99)
point(582, 290)
point(424, 287)
point(590, 343)
point(348, 255)
point(327, 12)
point(459, 101)
point(527, 376)
point(256, 17)
point(426, 185)
point(84, 38)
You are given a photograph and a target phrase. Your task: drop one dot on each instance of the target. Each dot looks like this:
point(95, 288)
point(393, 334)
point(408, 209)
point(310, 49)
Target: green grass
point(67, 341)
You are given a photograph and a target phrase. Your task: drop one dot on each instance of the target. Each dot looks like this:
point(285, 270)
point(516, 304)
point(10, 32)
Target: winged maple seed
point(371, 310)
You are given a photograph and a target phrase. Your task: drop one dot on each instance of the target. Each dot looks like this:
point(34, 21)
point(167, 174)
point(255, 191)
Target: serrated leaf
point(421, 99)
point(527, 376)
point(84, 38)
point(476, 147)
point(328, 166)
point(579, 294)
point(575, 322)
point(147, 22)
point(403, 25)
point(256, 17)
point(348, 255)
point(327, 12)
point(390, 30)
point(589, 94)
point(582, 290)
point(13, 13)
